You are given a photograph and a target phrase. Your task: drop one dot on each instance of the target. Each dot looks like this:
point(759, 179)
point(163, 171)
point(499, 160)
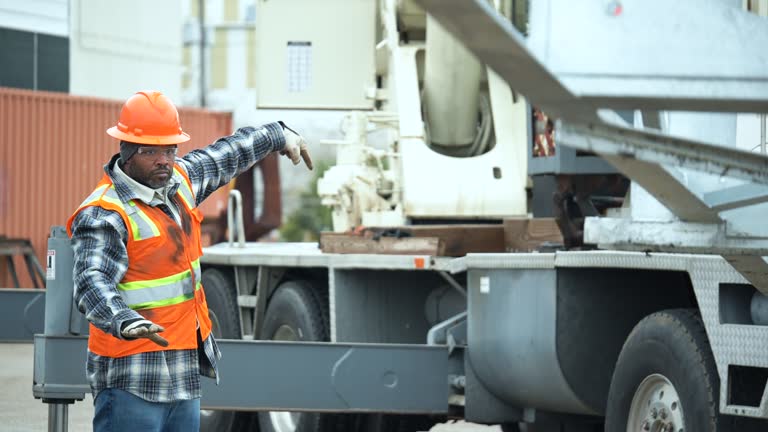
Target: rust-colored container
point(52, 149)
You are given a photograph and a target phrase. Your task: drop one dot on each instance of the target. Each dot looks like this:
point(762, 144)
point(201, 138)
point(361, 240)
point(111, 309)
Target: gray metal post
point(58, 417)
point(61, 317)
point(59, 284)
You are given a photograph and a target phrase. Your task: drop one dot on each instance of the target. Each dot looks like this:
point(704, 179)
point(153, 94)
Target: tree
point(307, 221)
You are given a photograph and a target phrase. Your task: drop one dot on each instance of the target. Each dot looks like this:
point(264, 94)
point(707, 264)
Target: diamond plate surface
point(270, 254)
point(732, 344)
point(631, 260)
point(510, 261)
point(380, 262)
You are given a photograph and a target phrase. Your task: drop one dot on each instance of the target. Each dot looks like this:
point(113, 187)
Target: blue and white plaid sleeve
point(101, 260)
point(214, 166)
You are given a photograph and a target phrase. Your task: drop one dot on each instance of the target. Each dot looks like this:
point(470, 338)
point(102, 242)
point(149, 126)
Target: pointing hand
point(145, 329)
point(296, 147)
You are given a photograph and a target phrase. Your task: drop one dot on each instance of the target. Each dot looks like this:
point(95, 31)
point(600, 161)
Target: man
point(136, 240)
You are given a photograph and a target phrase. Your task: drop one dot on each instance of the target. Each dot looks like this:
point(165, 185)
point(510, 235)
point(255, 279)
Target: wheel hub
point(656, 407)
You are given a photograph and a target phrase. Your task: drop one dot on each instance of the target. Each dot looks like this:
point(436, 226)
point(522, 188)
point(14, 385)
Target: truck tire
point(666, 375)
point(222, 309)
point(296, 312)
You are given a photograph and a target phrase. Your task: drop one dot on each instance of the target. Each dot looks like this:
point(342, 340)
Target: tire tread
point(684, 326)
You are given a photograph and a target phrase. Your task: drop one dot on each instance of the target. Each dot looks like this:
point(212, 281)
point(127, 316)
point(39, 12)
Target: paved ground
point(20, 412)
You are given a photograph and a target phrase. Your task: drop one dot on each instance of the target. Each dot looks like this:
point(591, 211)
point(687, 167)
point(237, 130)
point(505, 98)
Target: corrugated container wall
point(52, 150)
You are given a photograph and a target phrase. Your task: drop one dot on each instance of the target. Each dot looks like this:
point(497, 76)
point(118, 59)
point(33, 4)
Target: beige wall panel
point(315, 54)
point(250, 54)
point(186, 61)
point(231, 8)
point(219, 60)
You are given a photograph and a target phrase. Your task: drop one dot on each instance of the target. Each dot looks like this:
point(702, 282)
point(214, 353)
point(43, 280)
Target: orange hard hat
point(149, 117)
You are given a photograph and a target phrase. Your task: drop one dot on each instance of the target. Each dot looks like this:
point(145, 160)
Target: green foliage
point(306, 222)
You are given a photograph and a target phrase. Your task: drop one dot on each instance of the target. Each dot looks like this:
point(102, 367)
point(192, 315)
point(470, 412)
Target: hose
point(484, 138)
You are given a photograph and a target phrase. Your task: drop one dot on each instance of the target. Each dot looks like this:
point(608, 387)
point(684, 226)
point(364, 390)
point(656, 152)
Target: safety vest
point(162, 282)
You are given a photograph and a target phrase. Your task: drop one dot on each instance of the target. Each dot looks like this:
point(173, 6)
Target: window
point(34, 61)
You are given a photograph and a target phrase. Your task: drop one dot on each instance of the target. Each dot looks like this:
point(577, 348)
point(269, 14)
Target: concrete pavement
point(19, 410)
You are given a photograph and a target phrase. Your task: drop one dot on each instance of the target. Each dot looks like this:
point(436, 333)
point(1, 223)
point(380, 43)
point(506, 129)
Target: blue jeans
point(118, 411)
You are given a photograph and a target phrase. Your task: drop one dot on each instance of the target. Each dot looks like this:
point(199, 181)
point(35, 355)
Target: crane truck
point(621, 120)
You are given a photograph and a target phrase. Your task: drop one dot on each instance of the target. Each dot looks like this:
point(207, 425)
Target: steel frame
point(393, 378)
point(562, 82)
point(599, 70)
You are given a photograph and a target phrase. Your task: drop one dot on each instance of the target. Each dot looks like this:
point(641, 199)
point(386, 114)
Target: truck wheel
point(665, 378)
point(296, 312)
point(222, 309)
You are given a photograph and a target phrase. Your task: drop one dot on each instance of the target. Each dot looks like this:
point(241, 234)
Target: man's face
point(151, 165)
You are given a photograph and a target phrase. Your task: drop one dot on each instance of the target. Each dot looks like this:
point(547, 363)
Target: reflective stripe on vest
point(185, 193)
point(94, 196)
point(166, 291)
point(142, 226)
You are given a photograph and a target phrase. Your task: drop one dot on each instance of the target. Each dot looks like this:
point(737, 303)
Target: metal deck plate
point(309, 255)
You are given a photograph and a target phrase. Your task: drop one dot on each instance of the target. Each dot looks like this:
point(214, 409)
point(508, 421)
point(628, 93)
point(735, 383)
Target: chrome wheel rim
point(656, 407)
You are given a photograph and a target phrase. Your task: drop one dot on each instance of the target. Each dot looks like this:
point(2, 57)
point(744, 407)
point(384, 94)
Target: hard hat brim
point(148, 139)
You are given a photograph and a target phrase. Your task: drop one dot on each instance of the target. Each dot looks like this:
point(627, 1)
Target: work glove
point(295, 147)
point(144, 329)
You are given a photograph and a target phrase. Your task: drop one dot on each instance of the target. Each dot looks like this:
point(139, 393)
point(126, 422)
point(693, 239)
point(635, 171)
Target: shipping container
point(53, 148)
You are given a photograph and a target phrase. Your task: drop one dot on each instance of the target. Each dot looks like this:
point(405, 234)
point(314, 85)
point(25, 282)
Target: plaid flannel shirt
point(99, 238)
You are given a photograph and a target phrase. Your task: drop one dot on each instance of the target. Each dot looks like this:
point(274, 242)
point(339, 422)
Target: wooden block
point(462, 239)
point(525, 235)
point(452, 240)
point(344, 243)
